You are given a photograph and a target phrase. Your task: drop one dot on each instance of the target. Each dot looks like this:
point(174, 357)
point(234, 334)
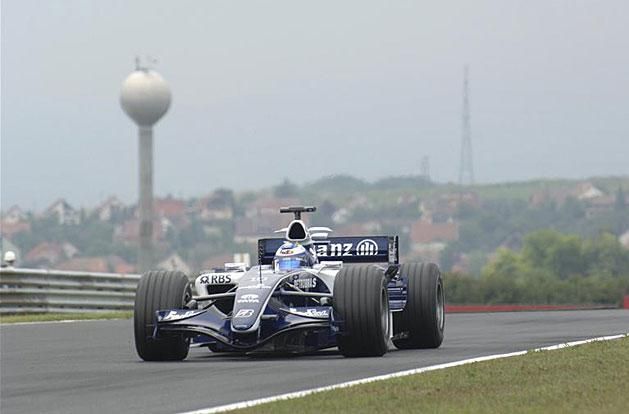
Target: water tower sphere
point(145, 97)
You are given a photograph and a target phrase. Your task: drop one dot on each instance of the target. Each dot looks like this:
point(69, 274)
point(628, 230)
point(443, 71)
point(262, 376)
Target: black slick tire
point(159, 290)
point(422, 321)
point(362, 303)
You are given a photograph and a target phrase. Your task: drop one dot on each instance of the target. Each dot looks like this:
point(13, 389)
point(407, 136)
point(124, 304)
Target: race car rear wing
point(350, 249)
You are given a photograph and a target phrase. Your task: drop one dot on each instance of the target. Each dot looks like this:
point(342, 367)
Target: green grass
point(583, 379)
point(44, 317)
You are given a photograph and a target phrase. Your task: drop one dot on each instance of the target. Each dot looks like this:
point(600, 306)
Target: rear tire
point(423, 318)
point(159, 290)
point(361, 301)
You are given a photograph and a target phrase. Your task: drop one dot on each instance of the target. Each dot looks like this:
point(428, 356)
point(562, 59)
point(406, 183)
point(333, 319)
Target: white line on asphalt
point(5, 324)
point(298, 394)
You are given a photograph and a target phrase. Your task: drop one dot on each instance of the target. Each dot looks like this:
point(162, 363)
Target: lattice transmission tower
point(466, 168)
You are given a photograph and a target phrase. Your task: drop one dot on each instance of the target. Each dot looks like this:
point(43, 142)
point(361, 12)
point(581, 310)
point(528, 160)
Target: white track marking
point(298, 394)
point(5, 324)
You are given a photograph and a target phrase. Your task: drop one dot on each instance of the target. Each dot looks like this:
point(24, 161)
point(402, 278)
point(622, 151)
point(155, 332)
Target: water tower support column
point(145, 259)
point(145, 97)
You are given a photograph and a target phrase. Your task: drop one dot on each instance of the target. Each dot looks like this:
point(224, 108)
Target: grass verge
point(45, 317)
point(582, 379)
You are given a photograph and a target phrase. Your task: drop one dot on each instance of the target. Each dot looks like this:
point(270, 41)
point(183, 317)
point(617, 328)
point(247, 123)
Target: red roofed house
point(358, 229)
point(47, 254)
point(109, 264)
point(14, 215)
point(85, 264)
point(429, 239)
point(10, 229)
point(169, 207)
point(269, 206)
point(118, 265)
point(216, 206)
point(262, 219)
point(14, 222)
point(447, 205)
point(585, 191)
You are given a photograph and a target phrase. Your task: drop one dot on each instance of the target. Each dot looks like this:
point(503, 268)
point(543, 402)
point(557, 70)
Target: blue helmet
point(291, 256)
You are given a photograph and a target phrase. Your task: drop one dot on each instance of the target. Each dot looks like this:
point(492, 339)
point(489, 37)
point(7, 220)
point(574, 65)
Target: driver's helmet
point(291, 256)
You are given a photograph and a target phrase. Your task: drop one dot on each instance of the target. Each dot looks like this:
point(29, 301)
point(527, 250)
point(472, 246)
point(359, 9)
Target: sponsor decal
point(366, 247)
point(244, 313)
point(216, 279)
point(311, 313)
point(174, 315)
point(301, 282)
point(248, 298)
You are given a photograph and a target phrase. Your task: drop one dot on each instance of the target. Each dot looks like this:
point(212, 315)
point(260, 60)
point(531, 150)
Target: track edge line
point(303, 393)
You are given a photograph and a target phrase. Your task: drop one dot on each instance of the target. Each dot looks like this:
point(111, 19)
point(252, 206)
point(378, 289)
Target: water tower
point(145, 97)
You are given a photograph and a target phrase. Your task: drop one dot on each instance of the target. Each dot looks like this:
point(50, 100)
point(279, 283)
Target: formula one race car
point(308, 292)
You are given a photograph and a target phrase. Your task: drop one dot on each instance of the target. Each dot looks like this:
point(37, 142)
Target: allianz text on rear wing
point(350, 249)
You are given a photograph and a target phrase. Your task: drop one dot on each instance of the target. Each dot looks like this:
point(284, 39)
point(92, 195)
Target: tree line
point(551, 268)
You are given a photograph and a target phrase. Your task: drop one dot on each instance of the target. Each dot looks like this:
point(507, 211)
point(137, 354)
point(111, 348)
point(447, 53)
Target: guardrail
point(524, 308)
point(41, 291)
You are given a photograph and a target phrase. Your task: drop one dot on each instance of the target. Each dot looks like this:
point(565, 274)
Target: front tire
point(422, 321)
point(159, 290)
point(361, 301)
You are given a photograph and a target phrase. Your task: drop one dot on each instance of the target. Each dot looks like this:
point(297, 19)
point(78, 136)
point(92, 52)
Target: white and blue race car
point(309, 291)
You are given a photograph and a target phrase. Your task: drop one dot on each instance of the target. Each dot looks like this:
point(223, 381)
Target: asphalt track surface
point(92, 366)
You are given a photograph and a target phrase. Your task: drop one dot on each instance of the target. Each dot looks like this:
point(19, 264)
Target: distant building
point(108, 208)
point(585, 191)
point(249, 230)
point(268, 206)
point(599, 205)
point(341, 215)
point(445, 206)
point(14, 215)
point(48, 254)
point(425, 232)
point(358, 229)
point(129, 231)
point(624, 239)
point(119, 265)
point(106, 264)
point(169, 207)
point(14, 221)
point(63, 212)
point(85, 264)
point(215, 207)
point(10, 229)
point(262, 219)
point(429, 239)
point(174, 262)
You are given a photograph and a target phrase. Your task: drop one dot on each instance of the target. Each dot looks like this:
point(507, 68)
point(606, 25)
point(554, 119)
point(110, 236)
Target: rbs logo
point(221, 278)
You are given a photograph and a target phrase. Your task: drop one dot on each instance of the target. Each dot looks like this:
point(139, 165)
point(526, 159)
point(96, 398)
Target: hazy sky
point(272, 89)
